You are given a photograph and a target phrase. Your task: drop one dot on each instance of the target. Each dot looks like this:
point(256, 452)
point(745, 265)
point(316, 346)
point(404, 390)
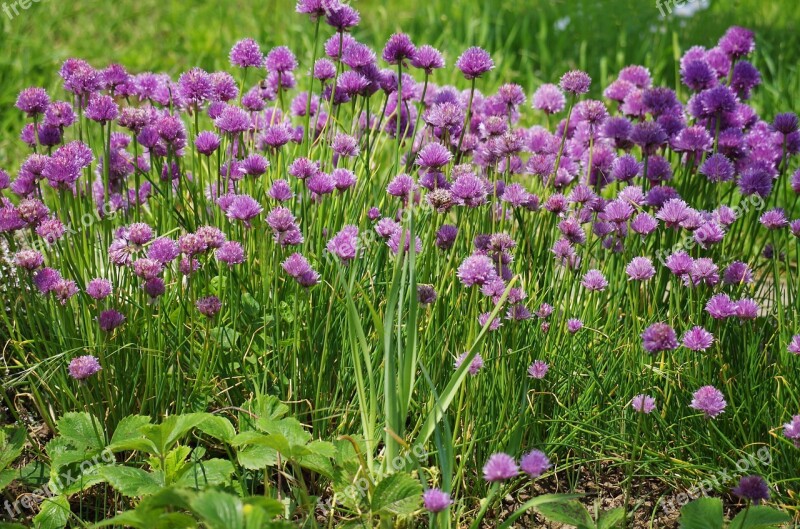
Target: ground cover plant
point(323, 287)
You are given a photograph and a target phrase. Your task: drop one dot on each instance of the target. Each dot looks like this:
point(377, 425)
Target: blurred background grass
point(532, 41)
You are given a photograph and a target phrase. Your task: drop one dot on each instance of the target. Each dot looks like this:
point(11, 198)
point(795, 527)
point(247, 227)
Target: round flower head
point(281, 59)
point(791, 430)
point(195, 86)
point(436, 500)
point(230, 253)
point(538, 369)
point(720, 306)
point(246, 54)
point(659, 337)
point(427, 58)
point(785, 123)
point(640, 269)
point(794, 345)
point(446, 236)
point(575, 82)
point(324, 70)
point(209, 306)
point(698, 339)
point(243, 208)
point(737, 42)
point(500, 467)
point(643, 403)
point(574, 325)
point(752, 488)
point(535, 463)
point(344, 244)
point(709, 400)
point(281, 191)
point(102, 108)
point(477, 270)
point(426, 294)
point(33, 101)
point(774, 219)
point(99, 288)
point(398, 48)
point(110, 320)
point(474, 62)
point(594, 281)
point(28, 259)
point(207, 142)
point(83, 367)
point(474, 366)
point(342, 17)
point(718, 168)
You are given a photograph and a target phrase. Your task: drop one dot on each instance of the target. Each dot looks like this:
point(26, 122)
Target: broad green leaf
point(289, 427)
point(271, 507)
point(398, 494)
point(219, 510)
point(702, 513)
point(218, 428)
point(81, 430)
point(267, 407)
point(6, 477)
point(257, 457)
point(129, 428)
point(759, 517)
point(251, 307)
point(322, 448)
point(166, 434)
point(570, 512)
point(12, 526)
point(132, 482)
point(83, 479)
point(204, 473)
point(12, 440)
point(316, 463)
point(538, 500)
point(53, 514)
point(611, 519)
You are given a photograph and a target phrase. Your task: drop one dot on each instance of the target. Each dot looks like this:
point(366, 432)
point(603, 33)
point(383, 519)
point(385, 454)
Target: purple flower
point(64, 289)
point(474, 62)
point(33, 101)
point(469, 190)
point(477, 270)
point(342, 17)
point(102, 108)
point(427, 58)
point(426, 294)
point(752, 488)
point(774, 219)
point(698, 339)
point(154, 287)
point(110, 320)
point(644, 224)
point(28, 259)
point(643, 404)
point(281, 59)
point(434, 156)
point(280, 191)
point(659, 337)
point(321, 183)
point(474, 366)
point(747, 309)
point(436, 500)
point(575, 82)
point(209, 306)
point(574, 325)
point(324, 70)
point(233, 120)
point(344, 244)
point(297, 266)
point(398, 48)
point(709, 400)
point(46, 279)
point(281, 219)
point(230, 253)
point(535, 463)
point(345, 145)
point(791, 430)
point(246, 54)
point(99, 288)
point(794, 345)
point(500, 467)
point(163, 250)
point(195, 86)
point(538, 369)
point(83, 367)
point(737, 42)
point(717, 168)
point(207, 142)
point(721, 306)
point(640, 269)
point(785, 123)
point(756, 180)
point(649, 136)
point(737, 273)
point(446, 236)
point(243, 208)
point(594, 281)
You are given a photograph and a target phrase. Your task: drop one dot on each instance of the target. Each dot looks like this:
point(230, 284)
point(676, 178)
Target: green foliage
point(706, 513)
